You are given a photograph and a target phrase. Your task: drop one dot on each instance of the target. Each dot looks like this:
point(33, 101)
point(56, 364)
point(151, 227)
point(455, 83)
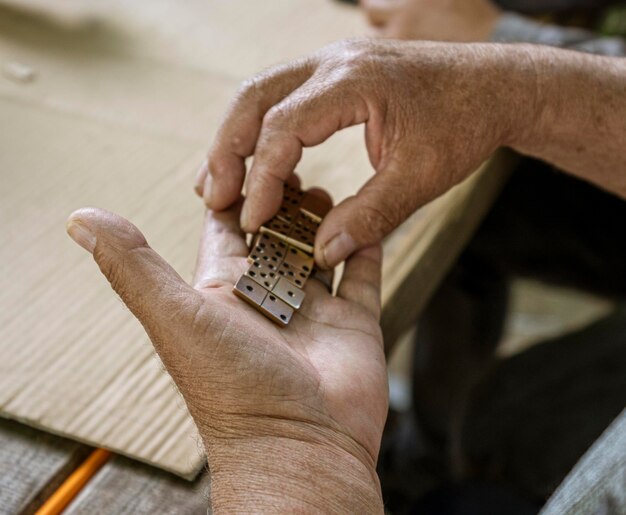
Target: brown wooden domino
point(314, 207)
point(281, 258)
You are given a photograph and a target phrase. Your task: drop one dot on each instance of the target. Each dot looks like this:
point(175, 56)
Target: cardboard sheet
point(117, 113)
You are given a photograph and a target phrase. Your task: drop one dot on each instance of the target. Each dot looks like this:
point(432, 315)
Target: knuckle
point(354, 52)
point(379, 221)
point(294, 114)
point(248, 90)
point(254, 88)
point(365, 63)
point(113, 267)
point(215, 165)
point(117, 258)
point(264, 182)
point(277, 117)
point(351, 65)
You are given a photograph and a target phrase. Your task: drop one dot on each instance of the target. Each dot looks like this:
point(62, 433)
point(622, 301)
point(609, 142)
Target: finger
point(383, 203)
point(305, 118)
point(148, 285)
point(378, 12)
point(237, 136)
point(360, 282)
point(201, 178)
point(294, 181)
point(322, 195)
point(222, 240)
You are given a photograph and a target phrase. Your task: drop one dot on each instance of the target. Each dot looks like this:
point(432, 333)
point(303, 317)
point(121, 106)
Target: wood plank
point(115, 88)
point(126, 487)
point(32, 465)
point(235, 38)
point(117, 116)
point(421, 252)
point(75, 361)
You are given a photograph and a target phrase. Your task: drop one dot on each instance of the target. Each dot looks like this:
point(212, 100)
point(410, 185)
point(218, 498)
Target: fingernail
point(81, 235)
point(338, 248)
point(203, 182)
point(200, 179)
point(208, 188)
point(245, 217)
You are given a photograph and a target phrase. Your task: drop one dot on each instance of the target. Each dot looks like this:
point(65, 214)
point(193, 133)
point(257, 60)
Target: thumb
point(360, 221)
point(147, 284)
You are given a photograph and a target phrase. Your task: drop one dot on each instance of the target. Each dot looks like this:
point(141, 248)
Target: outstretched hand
point(311, 394)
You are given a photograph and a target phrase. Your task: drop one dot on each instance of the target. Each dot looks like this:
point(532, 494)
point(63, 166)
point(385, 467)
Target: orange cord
point(69, 489)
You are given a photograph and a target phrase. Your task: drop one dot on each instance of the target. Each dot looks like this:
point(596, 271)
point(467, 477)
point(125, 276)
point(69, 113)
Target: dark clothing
point(545, 6)
point(489, 435)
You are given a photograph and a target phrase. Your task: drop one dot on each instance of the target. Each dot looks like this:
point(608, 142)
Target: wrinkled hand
point(250, 386)
point(433, 112)
point(434, 20)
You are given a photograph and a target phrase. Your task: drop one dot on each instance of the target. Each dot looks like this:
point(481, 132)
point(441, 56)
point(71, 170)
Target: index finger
point(307, 117)
point(220, 179)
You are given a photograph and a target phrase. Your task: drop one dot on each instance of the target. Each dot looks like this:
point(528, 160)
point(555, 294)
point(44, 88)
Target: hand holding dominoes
point(281, 257)
point(432, 113)
point(281, 411)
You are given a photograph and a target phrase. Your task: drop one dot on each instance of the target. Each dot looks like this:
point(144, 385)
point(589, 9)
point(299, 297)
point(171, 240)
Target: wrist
point(523, 96)
point(291, 467)
point(578, 115)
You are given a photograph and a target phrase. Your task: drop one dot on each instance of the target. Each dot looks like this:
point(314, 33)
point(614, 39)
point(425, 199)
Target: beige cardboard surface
point(117, 113)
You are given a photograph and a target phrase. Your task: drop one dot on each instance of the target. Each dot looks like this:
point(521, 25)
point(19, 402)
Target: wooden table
point(33, 464)
point(90, 74)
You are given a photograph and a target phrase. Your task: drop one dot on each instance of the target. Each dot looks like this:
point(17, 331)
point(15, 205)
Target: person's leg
point(550, 226)
point(535, 414)
point(531, 419)
point(545, 225)
point(457, 333)
point(456, 336)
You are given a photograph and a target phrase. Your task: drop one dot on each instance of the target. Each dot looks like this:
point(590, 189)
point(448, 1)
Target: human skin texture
point(291, 418)
point(433, 20)
point(433, 112)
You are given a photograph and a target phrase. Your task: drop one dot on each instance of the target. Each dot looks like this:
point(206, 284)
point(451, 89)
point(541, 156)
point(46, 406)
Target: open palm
point(241, 375)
